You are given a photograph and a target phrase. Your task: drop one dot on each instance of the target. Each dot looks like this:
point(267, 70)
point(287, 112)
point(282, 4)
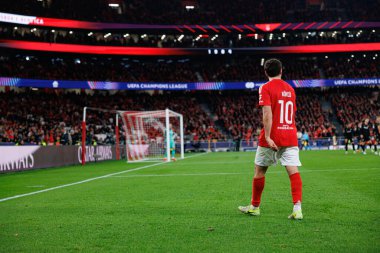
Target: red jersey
point(280, 96)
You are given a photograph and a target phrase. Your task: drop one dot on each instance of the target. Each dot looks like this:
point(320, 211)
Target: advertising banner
point(18, 158)
point(100, 85)
point(205, 28)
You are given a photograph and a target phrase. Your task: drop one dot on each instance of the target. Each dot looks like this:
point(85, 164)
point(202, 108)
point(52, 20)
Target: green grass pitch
point(191, 206)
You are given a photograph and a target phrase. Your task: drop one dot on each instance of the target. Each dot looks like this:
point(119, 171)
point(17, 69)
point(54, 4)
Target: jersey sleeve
point(264, 97)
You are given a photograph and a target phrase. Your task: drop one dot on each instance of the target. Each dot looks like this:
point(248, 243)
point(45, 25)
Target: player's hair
point(272, 67)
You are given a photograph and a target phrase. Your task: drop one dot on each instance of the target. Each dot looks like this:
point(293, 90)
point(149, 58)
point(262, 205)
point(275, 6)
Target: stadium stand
point(239, 68)
point(120, 38)
point(224, 115)
point(205, 11)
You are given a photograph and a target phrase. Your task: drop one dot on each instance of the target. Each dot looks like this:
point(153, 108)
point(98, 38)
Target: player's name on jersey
point(287, 94)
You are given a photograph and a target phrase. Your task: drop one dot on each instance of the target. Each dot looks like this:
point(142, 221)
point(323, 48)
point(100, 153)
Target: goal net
point(144, 136)
point(153, 135)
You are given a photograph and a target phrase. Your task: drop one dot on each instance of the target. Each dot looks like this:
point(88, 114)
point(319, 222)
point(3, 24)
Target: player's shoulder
point(264, 86)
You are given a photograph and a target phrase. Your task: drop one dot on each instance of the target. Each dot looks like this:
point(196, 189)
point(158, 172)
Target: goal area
point(144, 135)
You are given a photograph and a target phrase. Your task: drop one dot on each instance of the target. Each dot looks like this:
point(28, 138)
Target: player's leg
point(289, 157)
point(258, 184)
point(375, 146)
point(353, 145)
point(264, 158)
point(346, 145)
point(172, 150)
point(296, 189)
point(362, 144)
point(370, 145)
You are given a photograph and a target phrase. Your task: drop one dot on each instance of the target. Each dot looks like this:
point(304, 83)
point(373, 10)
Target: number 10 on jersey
point(286, 112)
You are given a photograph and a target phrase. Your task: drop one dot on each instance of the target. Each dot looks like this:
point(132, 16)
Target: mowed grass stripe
point(197, 214)
point(88, 180)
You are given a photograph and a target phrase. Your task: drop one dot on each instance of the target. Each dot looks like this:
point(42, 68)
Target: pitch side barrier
point(18, 158)
point(250, 85)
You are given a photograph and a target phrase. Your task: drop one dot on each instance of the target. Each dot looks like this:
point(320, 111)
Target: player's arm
point(267, 121)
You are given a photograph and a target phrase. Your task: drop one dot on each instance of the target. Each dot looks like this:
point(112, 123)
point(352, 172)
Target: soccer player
point(172, 136)
point(376, 132)
point(348, 137)
point(364, 135)
point(356, 133)
point(278, 138)
point(373, 137)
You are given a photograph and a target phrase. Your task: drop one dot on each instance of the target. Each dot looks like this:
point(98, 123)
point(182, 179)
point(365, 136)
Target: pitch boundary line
point(232, 173)
point(88, 180)
point(184, 175)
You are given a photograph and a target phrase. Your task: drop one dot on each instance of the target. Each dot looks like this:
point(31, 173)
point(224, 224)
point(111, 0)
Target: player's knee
point(260, 171)
point(291, 170)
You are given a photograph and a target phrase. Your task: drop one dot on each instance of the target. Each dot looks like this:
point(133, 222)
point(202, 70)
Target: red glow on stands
point(336, 23)
point(307, 27)
point(237, 28)
point(189, 28)
point(251, 34)
point(84, 49)
point(321, 26)
point(204, 36)
point(225, 28)
point(358, 25)
point(213, 28)
point(179, 29)
point(330, 48)
point(64, 23)
point(297, 26)
point(286, 26)
point(348, 23)
point(250, 28)
point(201, 28)
point(150, 51)
point(268, 27)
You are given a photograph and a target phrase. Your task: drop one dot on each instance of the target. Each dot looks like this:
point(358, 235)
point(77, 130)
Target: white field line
point(89, 180)
point(247, 173)
point(183, 175)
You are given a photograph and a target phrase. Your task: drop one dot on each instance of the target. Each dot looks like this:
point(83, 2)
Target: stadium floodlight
point(149, 135)
point(113, 5)
point(189, 7)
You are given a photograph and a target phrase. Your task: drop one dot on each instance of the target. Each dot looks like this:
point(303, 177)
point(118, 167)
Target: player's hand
point(271, 144)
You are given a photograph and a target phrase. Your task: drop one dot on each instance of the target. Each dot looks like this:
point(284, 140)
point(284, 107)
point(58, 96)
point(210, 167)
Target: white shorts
point(288, 156)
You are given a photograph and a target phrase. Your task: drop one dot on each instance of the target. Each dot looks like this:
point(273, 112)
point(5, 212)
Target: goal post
point(146, 135)
point(153, 135)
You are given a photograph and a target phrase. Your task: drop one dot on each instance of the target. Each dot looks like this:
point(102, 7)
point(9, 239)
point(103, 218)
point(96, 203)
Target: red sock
point(257, 189)
point(296, 185)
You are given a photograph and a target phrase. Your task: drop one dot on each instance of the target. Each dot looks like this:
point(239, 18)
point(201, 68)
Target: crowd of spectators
point(53, 117)
point(165, 40)
point(311, 118)
point(354, 106)
point(226, 69)
point(361, 66)
point(235, 68)
point(204, 12)
point(50, 118)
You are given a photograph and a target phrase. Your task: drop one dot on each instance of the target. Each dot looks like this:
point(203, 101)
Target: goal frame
point(119, 113)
